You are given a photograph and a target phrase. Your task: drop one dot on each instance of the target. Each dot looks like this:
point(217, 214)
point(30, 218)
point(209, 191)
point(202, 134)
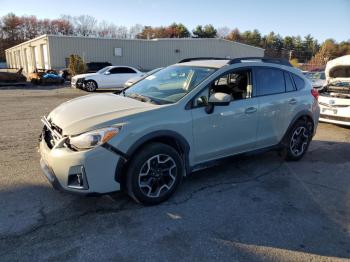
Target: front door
point(229, 129)
point(119, 75)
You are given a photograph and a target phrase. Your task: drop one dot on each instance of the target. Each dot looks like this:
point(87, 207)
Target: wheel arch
point(302, 115)
point(92, 80)
point(168, 137)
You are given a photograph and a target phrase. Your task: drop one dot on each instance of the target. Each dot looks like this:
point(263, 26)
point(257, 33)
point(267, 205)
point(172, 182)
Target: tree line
point(16, 29)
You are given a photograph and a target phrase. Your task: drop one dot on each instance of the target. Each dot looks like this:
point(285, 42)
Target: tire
point(90, 86)
point(154, 173)
point(297, 141)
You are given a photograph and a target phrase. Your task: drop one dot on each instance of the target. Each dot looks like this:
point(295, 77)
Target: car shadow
point(30, 86)
point(254, 208)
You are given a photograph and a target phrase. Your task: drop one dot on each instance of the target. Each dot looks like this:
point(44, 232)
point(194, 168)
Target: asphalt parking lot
point(255, 208)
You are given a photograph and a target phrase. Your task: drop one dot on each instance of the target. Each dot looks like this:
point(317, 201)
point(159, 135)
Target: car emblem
point(331, 102)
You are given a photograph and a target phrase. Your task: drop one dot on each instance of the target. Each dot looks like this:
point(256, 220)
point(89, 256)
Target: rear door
point(278, 100)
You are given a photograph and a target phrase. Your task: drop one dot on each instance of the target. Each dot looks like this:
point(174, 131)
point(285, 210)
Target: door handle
point(292, 101)
point(250, 110)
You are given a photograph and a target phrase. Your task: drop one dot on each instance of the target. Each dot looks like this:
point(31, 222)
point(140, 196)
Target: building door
point(45, 56)
point(25, 60)
point(36, 57)
point(29, 60)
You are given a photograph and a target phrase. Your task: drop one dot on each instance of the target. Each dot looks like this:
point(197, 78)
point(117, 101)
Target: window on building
point(117, 51)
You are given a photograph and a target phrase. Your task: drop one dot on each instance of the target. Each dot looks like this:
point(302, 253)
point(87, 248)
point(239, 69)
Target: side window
point(127, 70)
point(115, 70)
point(289, 84)
point(269, 81)
point(238, 84)
point(202, 98)
point(299, 82)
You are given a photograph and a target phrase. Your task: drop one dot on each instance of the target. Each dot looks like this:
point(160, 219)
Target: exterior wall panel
point(147, 54)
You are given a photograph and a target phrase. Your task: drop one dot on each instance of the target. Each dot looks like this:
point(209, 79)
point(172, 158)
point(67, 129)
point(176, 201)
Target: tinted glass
point(269, 81)
point(299, 82)
point(289, 83)
point(127, 70)
point(122, 70)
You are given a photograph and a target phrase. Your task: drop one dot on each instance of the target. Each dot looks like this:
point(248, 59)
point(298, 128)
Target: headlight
point(93, 138)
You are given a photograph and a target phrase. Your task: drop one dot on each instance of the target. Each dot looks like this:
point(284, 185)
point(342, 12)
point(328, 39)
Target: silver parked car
point(182, 118)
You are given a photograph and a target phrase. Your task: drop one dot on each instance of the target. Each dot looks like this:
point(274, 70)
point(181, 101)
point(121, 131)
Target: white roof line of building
point(129, 39)
point(28, 41)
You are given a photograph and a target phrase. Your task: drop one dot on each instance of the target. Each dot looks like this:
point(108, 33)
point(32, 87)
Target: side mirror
point(107, 73)
point(217, 99)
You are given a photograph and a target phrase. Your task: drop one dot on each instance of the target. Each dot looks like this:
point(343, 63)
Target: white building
point(52, 51)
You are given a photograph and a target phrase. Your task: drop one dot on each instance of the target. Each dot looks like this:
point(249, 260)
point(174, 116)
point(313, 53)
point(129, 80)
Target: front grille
point(337, 118)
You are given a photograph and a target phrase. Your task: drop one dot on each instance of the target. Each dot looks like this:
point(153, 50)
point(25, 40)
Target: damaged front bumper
point(84, 172)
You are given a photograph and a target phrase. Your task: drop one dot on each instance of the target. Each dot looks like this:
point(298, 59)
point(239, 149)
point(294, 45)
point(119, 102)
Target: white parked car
point(108, 77)
point(334, 98)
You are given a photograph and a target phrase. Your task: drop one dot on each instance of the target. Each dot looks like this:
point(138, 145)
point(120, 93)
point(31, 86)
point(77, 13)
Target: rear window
point(289, 83)
point(269, 81)
point(299, 82)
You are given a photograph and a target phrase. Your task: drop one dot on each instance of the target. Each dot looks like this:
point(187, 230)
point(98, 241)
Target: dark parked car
point(93, 67)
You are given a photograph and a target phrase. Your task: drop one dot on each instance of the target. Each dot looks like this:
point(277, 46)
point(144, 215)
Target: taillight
point(314, 93)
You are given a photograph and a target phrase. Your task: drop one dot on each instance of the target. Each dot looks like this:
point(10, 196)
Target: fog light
point(77, 178)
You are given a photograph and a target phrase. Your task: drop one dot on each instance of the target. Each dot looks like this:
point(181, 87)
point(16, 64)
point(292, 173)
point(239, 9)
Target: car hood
point(85, 75)
point(95, 111)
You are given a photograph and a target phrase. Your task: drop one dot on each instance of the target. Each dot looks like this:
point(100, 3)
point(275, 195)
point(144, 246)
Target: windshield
point(315, 75)
point(103, 70)
point(170, 84)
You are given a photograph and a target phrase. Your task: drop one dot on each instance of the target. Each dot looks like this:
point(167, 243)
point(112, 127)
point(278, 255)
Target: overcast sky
point(321, 18)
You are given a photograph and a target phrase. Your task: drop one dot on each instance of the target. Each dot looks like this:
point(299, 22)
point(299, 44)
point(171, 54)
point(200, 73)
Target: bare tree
point(85, 25)
point(222, 32)
point(135, 30)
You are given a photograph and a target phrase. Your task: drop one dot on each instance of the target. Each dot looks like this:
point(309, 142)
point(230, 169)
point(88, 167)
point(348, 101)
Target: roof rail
point(201, 58)
point(262, 59)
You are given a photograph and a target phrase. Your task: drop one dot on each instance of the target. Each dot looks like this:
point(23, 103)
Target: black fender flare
point(153, 136)
point(303, 113)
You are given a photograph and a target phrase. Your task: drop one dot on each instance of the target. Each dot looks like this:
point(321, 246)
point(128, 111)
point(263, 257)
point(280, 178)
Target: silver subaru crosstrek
point(180, 119)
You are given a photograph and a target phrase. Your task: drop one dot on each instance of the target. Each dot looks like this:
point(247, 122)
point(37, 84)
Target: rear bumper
point(345, 121)
point(335, 115)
